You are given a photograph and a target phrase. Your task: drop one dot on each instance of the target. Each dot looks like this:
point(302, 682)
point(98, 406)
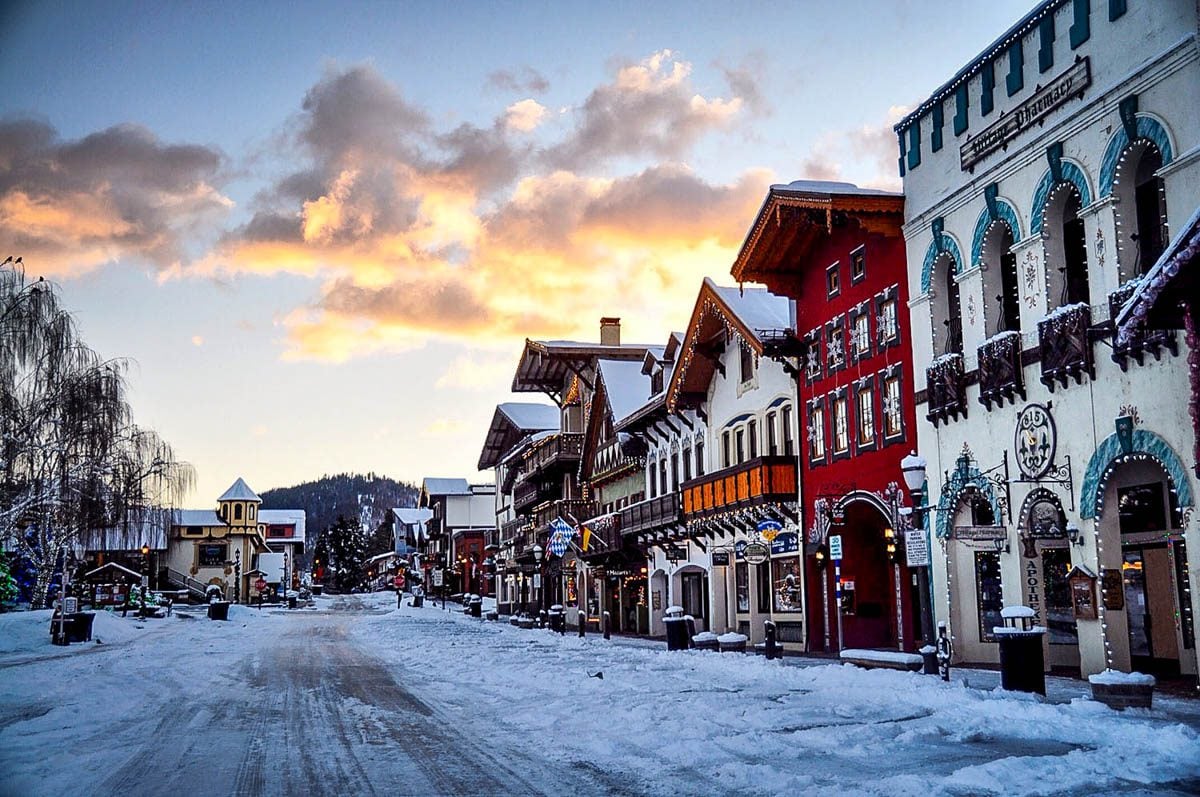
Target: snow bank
point(1118, 678)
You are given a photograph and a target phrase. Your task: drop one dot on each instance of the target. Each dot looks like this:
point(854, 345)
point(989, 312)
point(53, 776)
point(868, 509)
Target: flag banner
point(587, 537)
point(560, 537)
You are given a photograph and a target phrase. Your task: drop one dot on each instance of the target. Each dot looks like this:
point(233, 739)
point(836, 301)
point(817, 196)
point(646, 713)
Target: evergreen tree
point(347, 543)
point(8, 582)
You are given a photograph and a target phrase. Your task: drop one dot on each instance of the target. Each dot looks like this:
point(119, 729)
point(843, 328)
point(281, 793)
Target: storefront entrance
point(869, 593)
point(1150, 608)
point(693, 595)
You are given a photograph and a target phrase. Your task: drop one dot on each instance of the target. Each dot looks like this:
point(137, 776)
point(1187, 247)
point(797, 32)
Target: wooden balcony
point(512, 529)
point(946, 387)
point(525, 496)
point(546, 512)
point(652, 514)
point(555, 450)
point(759, 481)
point(1143, 341)
point(1064, 338)
point(1001, 377)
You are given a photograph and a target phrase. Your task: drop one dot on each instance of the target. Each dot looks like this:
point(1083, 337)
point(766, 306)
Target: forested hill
point(365, 498)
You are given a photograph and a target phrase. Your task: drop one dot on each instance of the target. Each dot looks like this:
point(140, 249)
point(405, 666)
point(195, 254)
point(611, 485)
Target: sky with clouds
point(323, 231)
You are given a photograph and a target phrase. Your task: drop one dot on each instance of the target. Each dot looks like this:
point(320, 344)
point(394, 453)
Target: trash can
point(678, 637)
point(318, 589)
point(417, 601)
point(558, 619)
point(218, 610)
point(475, 606)
point(79, 626)
point(1022, 665)
point(929, 661)
point(732, 643)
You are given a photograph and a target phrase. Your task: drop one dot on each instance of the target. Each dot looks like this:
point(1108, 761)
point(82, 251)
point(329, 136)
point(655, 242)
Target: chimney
point(610, 332)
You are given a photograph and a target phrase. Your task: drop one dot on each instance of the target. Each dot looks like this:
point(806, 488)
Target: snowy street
point(355, 697)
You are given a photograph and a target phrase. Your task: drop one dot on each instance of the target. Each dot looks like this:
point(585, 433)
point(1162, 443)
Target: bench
point(883, 659)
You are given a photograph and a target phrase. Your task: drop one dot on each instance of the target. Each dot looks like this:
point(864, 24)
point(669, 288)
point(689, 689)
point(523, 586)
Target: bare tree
point(71, 458)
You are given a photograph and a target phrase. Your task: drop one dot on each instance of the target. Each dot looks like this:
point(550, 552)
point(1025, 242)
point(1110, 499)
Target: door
point(695, 598)
point(1150, 608)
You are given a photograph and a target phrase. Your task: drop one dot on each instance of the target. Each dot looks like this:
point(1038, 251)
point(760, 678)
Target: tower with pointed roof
point(238, 507)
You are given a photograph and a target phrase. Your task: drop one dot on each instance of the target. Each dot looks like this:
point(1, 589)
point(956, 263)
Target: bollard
point(607, 623)
point(944, 651)
point(772, 649)
point(582, 624)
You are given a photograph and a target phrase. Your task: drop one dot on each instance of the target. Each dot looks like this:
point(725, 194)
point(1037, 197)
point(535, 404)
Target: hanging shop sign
point(674, 553)
point(786, 542)
point(720, 558)
point(739, 550)
point(1035, 440)
point(756, 553)
point(1112, 588)
point(1033, 111)
point(980, 533)
point(768, 529)
point(438, 577)
point(1042, 516)
point(916, 548)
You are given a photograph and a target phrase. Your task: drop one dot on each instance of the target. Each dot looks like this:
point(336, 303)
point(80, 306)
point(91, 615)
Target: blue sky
point(323, 230)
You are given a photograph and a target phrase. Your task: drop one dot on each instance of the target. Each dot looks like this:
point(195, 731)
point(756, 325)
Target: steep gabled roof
point(545, 364)
point(239, 491)
point(434, 486)
point(749, 312)
point(512, 422)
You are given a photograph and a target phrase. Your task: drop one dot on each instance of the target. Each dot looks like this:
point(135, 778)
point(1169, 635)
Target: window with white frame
point(752, 436)
point(739, 444)
point(866, 414)
point(687, 463)
point(772, 441)
point(886, 321)
point(841, 427)
point(858, 265)
point(789, 441)
point(893, 407)
point(726, 451)
point(815, 365)
point(699, 457)
point(747, 363)
point(816, 431)
point(862, 334)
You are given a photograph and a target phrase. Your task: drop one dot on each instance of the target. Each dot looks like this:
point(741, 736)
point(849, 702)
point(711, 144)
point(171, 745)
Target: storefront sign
point(916, 548)
point(1113, 587)
point(835, 546)
point(980, 533)
point(768, 529)
point(739, 550)
point(757, 553)
point(1029, 113)
point(1083, 594)
point(787, 542)
point(720, 558)
point(1033, 590)
point(674, 553)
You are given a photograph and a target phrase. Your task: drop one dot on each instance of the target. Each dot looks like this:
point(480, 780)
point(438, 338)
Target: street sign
point(757, 553)
point(71, 605)
point(835, 546)
point(260, 585)
point(437, 577)
point(916, 548)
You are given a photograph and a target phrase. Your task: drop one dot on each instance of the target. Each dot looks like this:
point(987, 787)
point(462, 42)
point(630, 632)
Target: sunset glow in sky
point(323, 231)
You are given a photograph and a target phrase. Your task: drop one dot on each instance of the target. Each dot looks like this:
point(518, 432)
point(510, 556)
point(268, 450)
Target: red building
point(838, 252)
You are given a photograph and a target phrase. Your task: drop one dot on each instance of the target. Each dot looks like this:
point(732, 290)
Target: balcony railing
point(655, 513)
point(1143, 341)
point(512, 529)
point(543, 514)
point(1001, 377)
point(557, 449)
point(525, 496)
point(1066, 347)
point(753, 483)
point(946, 387)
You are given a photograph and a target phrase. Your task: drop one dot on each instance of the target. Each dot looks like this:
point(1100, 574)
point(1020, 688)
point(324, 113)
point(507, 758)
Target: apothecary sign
point(1070, 83)
point(980, 533)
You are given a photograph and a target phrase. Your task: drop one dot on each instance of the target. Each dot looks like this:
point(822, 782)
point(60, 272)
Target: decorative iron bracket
point(1057, 474)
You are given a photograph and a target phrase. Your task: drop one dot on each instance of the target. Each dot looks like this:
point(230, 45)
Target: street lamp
point(913, 468)
point(538, 553)
point(237, 575)
point(145, 574)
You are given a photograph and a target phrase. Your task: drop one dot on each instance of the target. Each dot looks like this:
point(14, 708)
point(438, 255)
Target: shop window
point(1058, 611)
point(785, 578)
point(962, 104)
point(841, 432)
point(865, 413)
point(213, 555)
point(1081, 29)
point(816, 431)
point(858, 265)
point(989, 594)
point(772, 442)
point(1142, 508)
point(762, 573)
point(833, 280)
point(939, 122)
point(789, 440)
point(741, 574)
point(1046, 43)
point(1015, 80)
point(987, 88)
point(752, 435)
point(747, 363)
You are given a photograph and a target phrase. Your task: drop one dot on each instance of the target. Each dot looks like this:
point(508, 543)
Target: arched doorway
point(870, 616)
point(690, 590)
point(658, 601)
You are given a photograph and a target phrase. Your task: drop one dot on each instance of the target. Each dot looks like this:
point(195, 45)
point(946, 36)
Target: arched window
point(947, 313)
point(237, 511)
point(1066, 247)
point(1001, 299)
point(1141, 208)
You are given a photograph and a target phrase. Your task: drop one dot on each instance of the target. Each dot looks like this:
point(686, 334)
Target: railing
point(654, 513)
point(190, 584)
point(511, 529)
point(752, 483)
point(1000, 374)
point(1142, 340)
point(559, 448)
point(525, 495)
point(567, 509)
point(1066, 348)
point(946, 388)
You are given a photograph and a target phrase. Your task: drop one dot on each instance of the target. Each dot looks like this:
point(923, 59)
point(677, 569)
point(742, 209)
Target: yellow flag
point(587, 537)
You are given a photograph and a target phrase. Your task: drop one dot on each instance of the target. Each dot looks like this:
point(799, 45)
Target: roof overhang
point(1171, 281)
point(791, 222)
point(545, 365)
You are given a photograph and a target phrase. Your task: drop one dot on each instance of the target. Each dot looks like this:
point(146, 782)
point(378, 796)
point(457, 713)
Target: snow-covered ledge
point(891, 659)
point(1122, 690)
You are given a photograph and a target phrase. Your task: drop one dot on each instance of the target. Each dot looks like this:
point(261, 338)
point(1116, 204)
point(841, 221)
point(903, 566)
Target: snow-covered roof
point(625, 385)
point(1182, 252)
point(197, 517)
point(757, 308)
point(828, 188)
point(412, 515)
point(113, 566)
point(434, 486)
point(529, 417)
point(239, 491)
point(511, 424)
point(283, 517)
point(381, 556)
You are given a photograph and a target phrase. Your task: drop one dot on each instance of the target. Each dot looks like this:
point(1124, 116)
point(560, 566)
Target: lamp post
point(237, 575)
point(538, 553)
point(145, 574)
point(912, 468)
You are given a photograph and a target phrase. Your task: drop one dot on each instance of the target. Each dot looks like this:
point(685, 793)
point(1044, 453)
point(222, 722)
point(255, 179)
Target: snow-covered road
point(359, 698)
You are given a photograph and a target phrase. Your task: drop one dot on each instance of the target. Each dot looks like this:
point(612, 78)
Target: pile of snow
point(1118, 678)
point(732, 638)
point(1015, 612)
point(705, 636)
point(882, 656)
